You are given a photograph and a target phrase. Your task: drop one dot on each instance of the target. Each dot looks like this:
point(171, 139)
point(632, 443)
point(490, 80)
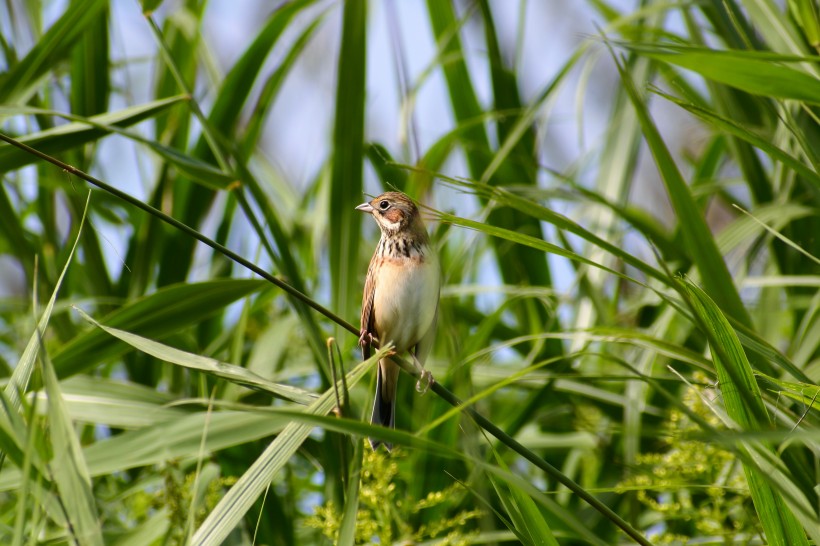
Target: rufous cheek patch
point(394, 215)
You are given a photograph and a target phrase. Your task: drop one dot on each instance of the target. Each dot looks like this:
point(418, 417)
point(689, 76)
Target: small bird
point(400, 302)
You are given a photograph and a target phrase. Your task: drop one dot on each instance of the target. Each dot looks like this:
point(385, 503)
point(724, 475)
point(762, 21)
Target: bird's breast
point(405, 299)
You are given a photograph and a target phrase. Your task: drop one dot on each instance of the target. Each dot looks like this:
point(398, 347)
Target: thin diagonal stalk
point(187, 230)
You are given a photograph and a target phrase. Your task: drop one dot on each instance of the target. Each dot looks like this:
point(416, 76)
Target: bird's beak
point(365, 207)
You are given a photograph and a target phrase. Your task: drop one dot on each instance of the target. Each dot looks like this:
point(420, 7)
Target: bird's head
point(394, 212)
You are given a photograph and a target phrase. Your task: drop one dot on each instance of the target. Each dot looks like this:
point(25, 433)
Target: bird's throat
point(399, 246)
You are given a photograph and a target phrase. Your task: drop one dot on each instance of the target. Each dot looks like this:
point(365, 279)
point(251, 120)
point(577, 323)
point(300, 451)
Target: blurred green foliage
point(601, 284)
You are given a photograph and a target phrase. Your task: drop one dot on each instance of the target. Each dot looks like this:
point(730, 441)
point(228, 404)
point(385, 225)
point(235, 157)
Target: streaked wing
point(368, 316)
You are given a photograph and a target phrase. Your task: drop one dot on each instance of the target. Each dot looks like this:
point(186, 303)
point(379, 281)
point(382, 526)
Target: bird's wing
point(368, 316)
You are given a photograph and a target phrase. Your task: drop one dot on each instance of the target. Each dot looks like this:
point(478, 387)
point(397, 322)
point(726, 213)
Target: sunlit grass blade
point(17, 437)
point(534, 209)
point(174, 439)
point(118, 404)
point(805, 13)
point(68, 467)
point(167, 311)
point(233, 506)
point(210, 366)
point(75, 134)
point(777, 29)
point(805, 393)
point(539, 244)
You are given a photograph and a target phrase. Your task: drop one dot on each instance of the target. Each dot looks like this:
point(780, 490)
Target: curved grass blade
point(175, 439)
point(755, 72)
point(698, 241)
point(270, 90)
point(236, 374)
point(744, 405)
point(14, 431)
point(734, 128)
point(18, 382)
point(68, 466)
point(198, 170)
point(167, 311)
point(529, 524)
point(75, 134)
point(233, 507)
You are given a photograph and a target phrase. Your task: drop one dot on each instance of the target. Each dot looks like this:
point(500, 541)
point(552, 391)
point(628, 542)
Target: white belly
point(405, 301)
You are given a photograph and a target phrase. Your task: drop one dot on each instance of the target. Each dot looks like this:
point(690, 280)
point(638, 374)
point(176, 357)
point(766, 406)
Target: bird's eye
point(384, 205)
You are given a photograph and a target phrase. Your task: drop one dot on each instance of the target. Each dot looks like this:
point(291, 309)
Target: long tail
point(384, 404)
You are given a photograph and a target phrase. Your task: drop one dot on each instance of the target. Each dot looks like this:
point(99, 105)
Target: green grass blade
point(223, 370)
point(528, 521)
point(150, 531)
point(75, 134)
point(346, 181)
point(347, 530)
point(69, 467)
point(17, 85)
point(758, 73)
point(744, 405)
point(539, 244)
point(805, 13)
point(197, 169)
point(518, 265)
point(777, 29)
point(238, 83)
point(699, 243)
point(167, 311)
point(174, 439)
point(232, 508)
point(18, 383)
point(90, 85)
point(119, 404)
point(270, 90)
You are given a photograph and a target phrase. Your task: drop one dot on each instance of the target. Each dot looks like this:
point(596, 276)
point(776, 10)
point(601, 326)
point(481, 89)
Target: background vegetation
point(655, 374)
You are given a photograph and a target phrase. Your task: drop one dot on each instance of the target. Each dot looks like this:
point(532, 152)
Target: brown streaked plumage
point(401, 292)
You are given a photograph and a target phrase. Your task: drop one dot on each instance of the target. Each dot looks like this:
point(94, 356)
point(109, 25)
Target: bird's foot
point(424, 382)
point(365, 338)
